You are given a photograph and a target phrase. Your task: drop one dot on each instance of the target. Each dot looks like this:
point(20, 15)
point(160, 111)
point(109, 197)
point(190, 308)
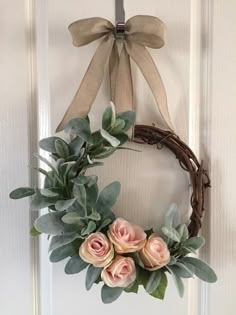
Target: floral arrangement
point(82, 226)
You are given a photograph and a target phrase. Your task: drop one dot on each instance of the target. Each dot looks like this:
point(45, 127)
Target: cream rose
point(120, 272)
point(126, 237)
point(155, 253)
point(97, 250)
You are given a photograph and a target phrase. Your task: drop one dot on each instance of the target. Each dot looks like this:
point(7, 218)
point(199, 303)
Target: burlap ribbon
point(140, 31)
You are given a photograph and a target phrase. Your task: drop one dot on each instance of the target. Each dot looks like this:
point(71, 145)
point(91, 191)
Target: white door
point(40, 72)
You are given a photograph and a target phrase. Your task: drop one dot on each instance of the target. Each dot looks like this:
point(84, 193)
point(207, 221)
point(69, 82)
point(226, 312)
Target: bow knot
point(137, 33)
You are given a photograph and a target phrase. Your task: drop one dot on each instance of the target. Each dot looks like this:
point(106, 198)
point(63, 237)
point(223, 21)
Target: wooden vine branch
point(188, 161)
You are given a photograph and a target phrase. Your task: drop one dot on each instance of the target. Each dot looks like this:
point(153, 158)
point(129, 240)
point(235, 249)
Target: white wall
point(198, 67)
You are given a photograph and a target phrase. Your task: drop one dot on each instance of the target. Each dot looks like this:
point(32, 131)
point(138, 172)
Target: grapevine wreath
point(83, 229)
point(80, 223)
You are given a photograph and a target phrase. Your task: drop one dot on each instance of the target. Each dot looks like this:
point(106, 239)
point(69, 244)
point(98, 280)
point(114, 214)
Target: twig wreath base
point(200, 180)
point(82, 227)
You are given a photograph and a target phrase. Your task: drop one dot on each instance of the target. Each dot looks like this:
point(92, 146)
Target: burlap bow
point(140, 31)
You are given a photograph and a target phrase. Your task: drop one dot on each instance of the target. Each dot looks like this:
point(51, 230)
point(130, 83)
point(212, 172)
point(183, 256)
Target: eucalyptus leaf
point(153, 281)
point(109, 295)
point(74, 265)
point(22, 192)
point(201, 269)
point(171, 233)
point(91, 276)
point(109, 138)
point(62, 205)
point(81, 128)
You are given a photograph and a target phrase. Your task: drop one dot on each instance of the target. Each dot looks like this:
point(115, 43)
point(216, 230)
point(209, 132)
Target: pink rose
point(126, 237)
point(97, 250)
point(120, 272)
point(155, 253)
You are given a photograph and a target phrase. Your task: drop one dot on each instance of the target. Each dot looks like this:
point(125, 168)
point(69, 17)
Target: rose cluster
point(123, 238)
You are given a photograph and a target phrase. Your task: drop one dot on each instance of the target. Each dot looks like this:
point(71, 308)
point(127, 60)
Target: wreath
point(81, 225)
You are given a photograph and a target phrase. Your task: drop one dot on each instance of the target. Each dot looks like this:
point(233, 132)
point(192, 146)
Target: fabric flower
point(97, 250)
point(126, 237)
point(120, 272)
point(155, 253)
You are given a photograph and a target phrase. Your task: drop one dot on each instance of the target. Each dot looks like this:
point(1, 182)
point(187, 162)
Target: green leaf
point(201, 269)
point(172, 261)
point(95, 164)
point(80, 194)
point(52, 224)
point(60, 240)
point(76, 145)
point(105, 153)
point(159, 293)
point(122, 137)
point(104, 224)
point(128, 117)
point(108, 196)
point(62, 252)
point(194, 242)
point(133, 288)
point(92, 195)
point(85, 180)
point(46, 192)
point(89, 229)
point(39, 202)
point(91, 276)
point(153, 281)
point(183, 232)
point(171, 233)
point(109, 138)
point(172, 217)
point(81, 128)
point(72, 218)
point(22, 192)
point(107, 118)
point(62, 148)
point(179, 284)
point(118, 126)
point(48, 144)
point(95, 216)
point(75, 265)
point(180, 270)
point(34, 231)
point(109, 295)
point(46, 162)
point(149, 232)
point(62, 205)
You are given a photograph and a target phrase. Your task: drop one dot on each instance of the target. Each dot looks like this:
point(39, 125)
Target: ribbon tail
point(113, 69)
point(124, 85)
point(144, 61)
point(90, 84)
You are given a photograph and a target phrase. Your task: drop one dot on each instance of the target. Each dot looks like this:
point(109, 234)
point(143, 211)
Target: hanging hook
point(120, 19)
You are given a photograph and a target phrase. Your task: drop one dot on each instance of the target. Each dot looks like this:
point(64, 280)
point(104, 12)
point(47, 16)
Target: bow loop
point(88, 30)
point(146, 30)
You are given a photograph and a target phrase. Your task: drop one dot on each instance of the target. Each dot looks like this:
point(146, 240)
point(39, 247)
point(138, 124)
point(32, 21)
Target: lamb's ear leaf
point(22, 192)
point(109, 295)
point(159, 293)
point(81, 128)
point(91, 276)
point(107, 198)
point(201, 269)
point(172, 217)
point(74, 265)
